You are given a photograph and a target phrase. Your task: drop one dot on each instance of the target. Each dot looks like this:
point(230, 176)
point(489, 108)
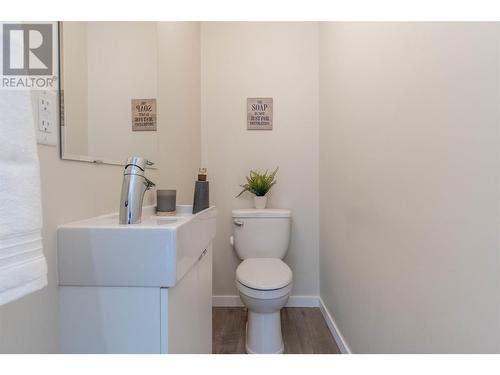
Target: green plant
point(259, 183)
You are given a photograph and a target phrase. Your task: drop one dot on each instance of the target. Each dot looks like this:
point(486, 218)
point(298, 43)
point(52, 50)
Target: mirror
point(108, 91)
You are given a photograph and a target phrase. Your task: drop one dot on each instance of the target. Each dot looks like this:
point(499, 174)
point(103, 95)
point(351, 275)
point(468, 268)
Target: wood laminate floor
point(304, 331)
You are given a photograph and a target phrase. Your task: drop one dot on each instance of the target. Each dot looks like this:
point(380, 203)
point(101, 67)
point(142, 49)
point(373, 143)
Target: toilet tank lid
point(266, 212)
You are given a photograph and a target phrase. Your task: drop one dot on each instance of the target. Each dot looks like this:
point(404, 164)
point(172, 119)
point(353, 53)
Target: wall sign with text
point(143, 115)
point(259, 113)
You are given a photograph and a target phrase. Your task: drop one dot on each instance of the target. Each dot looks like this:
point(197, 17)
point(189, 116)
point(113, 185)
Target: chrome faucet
point(134, 186)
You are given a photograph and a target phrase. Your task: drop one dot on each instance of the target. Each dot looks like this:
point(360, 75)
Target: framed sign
point(143, 115)
point(259, 113)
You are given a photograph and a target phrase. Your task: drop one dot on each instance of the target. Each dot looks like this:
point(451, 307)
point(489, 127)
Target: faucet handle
point(149, 183)
point(138, 161)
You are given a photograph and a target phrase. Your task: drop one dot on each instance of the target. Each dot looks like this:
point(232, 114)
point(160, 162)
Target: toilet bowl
point(264, 281)
point(264, 285)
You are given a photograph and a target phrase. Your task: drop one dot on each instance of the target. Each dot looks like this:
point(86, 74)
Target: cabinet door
point(109, 319)
point(189, 309)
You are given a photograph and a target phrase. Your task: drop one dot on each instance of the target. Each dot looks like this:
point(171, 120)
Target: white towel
point(23, 268)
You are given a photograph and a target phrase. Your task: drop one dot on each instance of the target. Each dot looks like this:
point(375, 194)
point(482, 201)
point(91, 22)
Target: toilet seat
point(264, 274)
point(263, 294)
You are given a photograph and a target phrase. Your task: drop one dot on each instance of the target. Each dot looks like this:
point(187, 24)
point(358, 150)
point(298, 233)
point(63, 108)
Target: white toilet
point(264, 281)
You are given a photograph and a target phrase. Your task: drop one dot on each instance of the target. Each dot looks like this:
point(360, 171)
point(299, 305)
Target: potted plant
point(259, 184)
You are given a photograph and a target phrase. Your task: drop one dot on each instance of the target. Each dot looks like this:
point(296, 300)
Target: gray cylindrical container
point(201, 196)
point(165, 202)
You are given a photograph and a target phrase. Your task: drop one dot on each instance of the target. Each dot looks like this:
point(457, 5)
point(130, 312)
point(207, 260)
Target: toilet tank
point(261, 233)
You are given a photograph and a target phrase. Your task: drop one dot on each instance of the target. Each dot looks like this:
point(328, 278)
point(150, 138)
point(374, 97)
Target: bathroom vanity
point(140, 288)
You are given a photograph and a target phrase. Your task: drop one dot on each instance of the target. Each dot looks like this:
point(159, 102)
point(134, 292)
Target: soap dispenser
point(201, 192)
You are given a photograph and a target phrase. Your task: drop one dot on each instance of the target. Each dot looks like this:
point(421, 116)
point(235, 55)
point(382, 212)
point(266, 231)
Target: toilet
point(261, 238)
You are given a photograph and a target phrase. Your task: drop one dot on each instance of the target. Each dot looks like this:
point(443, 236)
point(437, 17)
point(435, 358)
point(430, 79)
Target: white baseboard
point(293, 301)
point(303, 301)
point(226, 301)
point(334, 329)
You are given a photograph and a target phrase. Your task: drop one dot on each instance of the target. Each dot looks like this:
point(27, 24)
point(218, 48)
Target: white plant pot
point(260, 202)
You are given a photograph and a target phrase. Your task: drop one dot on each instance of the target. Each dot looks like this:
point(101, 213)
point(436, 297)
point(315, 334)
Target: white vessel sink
point(155, 253)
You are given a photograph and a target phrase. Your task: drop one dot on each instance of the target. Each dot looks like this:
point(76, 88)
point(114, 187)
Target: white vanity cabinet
point(138, 303)
point(187, 312)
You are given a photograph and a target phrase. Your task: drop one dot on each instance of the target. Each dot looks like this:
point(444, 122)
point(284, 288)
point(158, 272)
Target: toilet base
point(263, 333)
point(248, 351)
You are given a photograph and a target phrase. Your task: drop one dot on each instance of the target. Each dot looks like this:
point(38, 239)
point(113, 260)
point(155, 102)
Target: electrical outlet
point(47, 128)
point(43, 104)
point(45, 125)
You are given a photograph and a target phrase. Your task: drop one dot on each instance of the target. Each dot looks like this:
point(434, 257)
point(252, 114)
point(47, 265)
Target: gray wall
point(409, 185)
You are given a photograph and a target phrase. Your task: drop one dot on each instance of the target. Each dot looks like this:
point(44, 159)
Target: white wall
point(179, 107)
point(409, 182)
point(279, 60)
point(76, 190)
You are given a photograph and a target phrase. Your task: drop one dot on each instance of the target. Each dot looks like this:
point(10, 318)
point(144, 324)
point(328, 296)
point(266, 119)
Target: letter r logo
point(27, 49)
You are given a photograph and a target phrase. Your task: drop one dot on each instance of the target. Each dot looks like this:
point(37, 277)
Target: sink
point(157, 252)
